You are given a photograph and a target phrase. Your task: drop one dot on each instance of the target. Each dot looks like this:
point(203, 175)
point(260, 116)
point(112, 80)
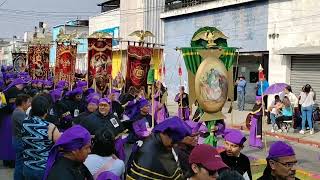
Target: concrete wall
point(247, 64)
point(297, 23)
point(152, 21)
point(245, 25)
point(203, 7)
point(105, 20)
point(132, 18)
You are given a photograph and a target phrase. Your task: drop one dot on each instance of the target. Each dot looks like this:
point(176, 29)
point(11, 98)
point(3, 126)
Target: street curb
point(283, 136)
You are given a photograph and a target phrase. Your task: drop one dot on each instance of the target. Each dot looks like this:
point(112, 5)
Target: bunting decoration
point(151, 79)
point(19, 62)
point(138, 66)
point(156, 61)
point(116, 63)
point(38, 61)
point(65, 62)
point(99, 63)
point(261, 73)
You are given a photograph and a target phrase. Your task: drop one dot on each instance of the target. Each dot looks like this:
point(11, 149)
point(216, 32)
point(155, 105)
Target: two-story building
point(294, 43)
point(244, 22)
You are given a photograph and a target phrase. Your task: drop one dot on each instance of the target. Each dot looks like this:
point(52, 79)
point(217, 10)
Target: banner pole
point(236, 77)
point(262, 121)
point(152, 105)
point(180, 77)
point(110, 85)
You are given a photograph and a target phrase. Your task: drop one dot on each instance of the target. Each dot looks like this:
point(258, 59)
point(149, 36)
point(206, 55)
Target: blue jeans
point(307, 116)
point(31, 174)
point(18, 169)
point(241, 100)
point(273, 119)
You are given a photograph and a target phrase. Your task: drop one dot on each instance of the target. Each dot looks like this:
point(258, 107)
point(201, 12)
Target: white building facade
point(281, 35)
point(294, 43)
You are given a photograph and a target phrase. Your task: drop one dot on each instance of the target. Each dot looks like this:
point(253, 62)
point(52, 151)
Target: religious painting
point(38, 61)
point(19, 62)
point(99, 62)
point(65, 63)
point(211, 81)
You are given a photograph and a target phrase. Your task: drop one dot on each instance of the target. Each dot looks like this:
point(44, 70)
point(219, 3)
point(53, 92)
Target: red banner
point(38, 60)
point(19, 62)
point(99, 62)
point(138, 66)
point(65, 63)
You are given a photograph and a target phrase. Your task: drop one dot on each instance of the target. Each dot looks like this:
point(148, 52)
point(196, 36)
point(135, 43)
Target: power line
point(131, 9)
point(3, 3)
point(133, 13)
point(27, 15)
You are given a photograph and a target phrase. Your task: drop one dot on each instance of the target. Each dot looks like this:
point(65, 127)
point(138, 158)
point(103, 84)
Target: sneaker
point(301, 132)
point(272, 130)
point(311, 131)
point(279, 131)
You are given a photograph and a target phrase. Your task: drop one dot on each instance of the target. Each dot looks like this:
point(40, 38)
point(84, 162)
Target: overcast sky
point(18, 16)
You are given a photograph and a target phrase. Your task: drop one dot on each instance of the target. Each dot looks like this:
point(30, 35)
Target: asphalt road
point(308, 157)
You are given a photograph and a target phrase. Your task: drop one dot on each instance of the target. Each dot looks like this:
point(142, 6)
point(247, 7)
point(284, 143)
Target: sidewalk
point(236, 119)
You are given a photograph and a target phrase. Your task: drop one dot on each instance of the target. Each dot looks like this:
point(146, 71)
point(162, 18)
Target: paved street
point(308, 156)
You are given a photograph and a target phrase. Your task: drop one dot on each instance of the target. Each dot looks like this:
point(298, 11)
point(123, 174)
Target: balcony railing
point(178, 4)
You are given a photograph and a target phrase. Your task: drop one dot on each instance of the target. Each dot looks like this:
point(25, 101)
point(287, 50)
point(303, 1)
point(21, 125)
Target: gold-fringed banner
point(65, 63)
point(138, 66)
point(38, 61)
point(99, 62)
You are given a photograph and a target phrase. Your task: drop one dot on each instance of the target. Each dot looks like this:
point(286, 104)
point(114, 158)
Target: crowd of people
point(49, 131)
point(298, 111)
point(286, 110)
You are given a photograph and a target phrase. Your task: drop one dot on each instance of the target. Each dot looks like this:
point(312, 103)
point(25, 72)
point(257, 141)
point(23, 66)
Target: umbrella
point(275, 88)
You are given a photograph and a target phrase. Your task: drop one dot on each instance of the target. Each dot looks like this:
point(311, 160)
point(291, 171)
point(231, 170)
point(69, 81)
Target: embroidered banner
point(38, 61)
point(99, 62)
point(65, 63)
point(138, 66)
point(19, 62)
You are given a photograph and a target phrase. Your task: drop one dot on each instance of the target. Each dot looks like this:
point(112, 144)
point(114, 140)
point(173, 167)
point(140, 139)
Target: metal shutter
point(305, 70)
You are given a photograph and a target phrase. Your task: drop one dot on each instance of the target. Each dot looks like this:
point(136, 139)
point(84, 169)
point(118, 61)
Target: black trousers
point(280, 119)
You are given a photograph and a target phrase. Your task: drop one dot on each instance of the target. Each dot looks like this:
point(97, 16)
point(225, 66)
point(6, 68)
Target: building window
point(178, 4)
point(109, 5)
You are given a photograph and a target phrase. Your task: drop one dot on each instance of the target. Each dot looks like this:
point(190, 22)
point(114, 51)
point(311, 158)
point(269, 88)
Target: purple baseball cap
point(108, 175)
point(280, 149)
point(74, 92)
point(93, 101)
point(196, 126)
point(234, 136)
point(142, 103)
point(62, 84)
point(175, 128)
point(104, 100)
point(81, 84)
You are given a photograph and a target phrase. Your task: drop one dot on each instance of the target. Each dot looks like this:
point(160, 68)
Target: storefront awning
point(311, 50)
